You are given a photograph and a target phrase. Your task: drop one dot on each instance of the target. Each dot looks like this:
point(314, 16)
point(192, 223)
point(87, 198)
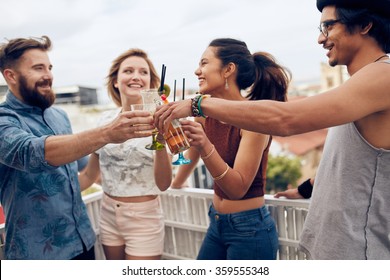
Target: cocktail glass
point(151, 108)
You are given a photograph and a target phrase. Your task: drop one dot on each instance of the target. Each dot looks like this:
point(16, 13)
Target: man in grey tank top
point(349, 215)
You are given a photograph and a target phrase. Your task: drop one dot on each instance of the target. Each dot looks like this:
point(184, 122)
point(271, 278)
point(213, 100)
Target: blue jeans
point(247, 235)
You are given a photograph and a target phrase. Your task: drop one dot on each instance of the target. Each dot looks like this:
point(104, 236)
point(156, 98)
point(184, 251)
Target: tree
point(281, 172)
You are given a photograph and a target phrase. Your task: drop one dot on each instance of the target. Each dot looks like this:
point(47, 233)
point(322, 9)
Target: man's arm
point(62, 149)
point(363, 94)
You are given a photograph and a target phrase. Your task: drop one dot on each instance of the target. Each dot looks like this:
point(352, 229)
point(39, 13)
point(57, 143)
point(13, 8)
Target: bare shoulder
point(371, 85)
point(376, 74)
point(374, 85)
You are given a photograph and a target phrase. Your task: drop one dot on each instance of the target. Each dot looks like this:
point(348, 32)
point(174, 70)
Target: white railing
point(186, 222)
point(93, 202)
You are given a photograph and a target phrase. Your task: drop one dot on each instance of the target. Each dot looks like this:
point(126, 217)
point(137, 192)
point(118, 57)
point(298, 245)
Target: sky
point(88, 34)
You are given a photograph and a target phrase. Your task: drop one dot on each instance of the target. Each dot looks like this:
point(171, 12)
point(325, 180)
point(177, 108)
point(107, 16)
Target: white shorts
point(139, 226)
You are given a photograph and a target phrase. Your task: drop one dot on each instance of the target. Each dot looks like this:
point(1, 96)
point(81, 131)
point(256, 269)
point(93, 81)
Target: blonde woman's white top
point(127, 168)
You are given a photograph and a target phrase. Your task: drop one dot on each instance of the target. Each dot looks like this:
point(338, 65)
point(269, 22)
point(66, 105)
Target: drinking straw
point(162, 77)
point(184, 82)
point(174, 91)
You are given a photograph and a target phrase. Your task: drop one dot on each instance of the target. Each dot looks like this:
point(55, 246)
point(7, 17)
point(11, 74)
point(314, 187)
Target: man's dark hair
point(379, 7)
point(380, 29)
point(11, 51)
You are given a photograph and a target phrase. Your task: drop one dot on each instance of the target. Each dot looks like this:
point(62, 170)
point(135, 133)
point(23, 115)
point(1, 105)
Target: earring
point(226, 84)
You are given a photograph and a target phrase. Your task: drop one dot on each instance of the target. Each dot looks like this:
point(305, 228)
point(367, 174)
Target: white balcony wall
point(186, 222)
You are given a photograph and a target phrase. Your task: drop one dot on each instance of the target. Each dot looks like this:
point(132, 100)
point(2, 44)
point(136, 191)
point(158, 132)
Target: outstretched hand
point(174, 110)
point(195, 134)
point(129, 124)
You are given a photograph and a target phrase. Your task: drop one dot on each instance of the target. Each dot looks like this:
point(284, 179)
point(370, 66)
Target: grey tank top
point(349, 213)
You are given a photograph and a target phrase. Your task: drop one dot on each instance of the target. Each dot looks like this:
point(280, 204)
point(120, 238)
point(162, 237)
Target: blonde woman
point(132, 225)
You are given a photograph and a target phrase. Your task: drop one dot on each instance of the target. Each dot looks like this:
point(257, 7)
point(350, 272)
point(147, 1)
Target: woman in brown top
point(240, 224)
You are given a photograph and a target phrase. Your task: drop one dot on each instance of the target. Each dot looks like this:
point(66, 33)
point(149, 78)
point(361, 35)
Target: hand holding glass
point(175, 138)
point(151, 108)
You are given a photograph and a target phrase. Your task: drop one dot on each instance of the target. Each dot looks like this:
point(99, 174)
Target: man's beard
point(33, 97)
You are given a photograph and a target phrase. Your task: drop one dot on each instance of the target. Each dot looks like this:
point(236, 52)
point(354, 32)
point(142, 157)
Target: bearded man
point(39, 188)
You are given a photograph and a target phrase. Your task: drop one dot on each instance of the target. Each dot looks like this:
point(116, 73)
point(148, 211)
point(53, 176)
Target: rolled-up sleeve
point(20, 148)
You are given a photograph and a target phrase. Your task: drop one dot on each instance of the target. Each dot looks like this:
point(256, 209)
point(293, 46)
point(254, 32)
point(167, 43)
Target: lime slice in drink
point(166, 90)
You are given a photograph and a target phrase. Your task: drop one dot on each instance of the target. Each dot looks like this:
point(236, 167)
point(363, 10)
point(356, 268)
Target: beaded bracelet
point(223, 174)
point(209, 154)
point(196, 109)
point(194, 106)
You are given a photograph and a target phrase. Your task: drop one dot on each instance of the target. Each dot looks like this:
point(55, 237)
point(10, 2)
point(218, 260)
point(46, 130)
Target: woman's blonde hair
point(112, 76)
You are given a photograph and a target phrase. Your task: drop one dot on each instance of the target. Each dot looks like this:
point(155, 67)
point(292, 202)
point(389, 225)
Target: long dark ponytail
point(272, 79)
point(259, 72)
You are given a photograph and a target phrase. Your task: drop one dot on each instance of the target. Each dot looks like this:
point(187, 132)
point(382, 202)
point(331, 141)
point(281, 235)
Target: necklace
point(382, 56)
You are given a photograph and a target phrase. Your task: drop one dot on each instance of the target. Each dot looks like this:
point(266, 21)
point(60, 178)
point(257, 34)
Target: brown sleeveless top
point(226, 139)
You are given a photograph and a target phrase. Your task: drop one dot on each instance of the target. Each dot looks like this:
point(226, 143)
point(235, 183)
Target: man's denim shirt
point(45, 215)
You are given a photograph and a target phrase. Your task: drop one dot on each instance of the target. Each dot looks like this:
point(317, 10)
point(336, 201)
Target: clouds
point(88, 34)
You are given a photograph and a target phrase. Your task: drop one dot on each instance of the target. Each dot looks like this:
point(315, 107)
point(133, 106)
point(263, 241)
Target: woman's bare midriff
point(226, 206)
point(133, 199)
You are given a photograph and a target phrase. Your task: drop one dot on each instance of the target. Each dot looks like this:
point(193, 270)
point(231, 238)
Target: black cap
point(380, 7)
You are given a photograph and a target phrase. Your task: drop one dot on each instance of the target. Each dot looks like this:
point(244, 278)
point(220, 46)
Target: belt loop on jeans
point(261, 209)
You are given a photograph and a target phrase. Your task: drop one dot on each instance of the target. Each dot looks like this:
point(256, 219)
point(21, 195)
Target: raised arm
point(362, 95)
point(62, 149)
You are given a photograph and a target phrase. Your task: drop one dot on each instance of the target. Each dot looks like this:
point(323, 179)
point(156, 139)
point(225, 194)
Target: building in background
point(332, 77)
point(76, 95)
